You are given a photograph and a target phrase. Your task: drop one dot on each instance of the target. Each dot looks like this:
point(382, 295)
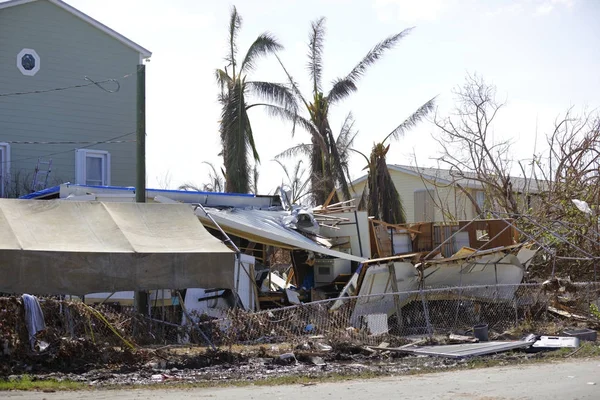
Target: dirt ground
point(277, 363)
point(576, 379)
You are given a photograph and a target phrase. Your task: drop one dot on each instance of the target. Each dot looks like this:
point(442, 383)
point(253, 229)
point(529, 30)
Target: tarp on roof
point(68, 247)
point(265, 227)
point(51, 191)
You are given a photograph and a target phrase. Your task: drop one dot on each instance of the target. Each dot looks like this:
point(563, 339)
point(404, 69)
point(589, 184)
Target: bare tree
point(572, 167)
point(469, 150)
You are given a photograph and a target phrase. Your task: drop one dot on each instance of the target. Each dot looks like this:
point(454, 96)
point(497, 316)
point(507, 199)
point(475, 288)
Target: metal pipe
point(358, 233)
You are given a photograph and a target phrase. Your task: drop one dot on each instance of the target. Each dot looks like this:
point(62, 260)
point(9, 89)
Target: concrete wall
point(69, 49)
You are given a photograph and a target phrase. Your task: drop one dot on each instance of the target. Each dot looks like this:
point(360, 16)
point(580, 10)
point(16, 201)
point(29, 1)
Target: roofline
point(466, 183)
point(145, 53)
point(399, 168)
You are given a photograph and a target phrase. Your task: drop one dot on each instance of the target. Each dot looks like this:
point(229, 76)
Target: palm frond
point(285, 170)
point(411, 121)
point(347, 135)
point(301, 149)
point(339, 166)
point(315, 52)
point(384, 201)
point(292, 82)
point(235, 23)
point(255, 176)
point(277, 93)
point(236, 140)
point(224, 80)
point(250, 138)
point(263, 45)
point(288, 115)
point(343, 87)
point(188, 186)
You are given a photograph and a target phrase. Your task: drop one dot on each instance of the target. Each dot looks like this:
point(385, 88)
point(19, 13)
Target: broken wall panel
point(482, 234)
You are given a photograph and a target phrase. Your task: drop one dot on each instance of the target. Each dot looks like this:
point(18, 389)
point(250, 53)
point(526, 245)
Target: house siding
point(69, 50)
point(450, 204)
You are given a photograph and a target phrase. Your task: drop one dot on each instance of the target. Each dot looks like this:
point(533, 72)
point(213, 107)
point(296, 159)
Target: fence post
point(515, 303)
point(426, 313)
point(394, 284)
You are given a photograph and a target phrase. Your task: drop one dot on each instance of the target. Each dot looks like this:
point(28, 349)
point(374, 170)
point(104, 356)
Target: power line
point(81, 85)
point(70, 142)
point(70, 150)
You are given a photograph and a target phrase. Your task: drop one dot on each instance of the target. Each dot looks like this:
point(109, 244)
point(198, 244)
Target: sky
point(543, 56)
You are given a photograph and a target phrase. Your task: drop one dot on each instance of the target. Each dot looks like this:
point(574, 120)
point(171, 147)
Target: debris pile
point(75, 338)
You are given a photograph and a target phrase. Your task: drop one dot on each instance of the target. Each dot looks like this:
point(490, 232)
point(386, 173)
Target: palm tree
point(380, 195)
point(236, 132)
point(326, 164)
point(216, 183)
point(296, 187)
point(343, 145)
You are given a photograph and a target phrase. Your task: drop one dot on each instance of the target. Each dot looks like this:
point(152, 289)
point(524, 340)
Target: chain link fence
point(507, 310)
point(112, 334)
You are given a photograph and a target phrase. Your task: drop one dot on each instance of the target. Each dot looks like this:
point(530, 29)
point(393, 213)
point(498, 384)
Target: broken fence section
point(506, 310)
point(79, 333)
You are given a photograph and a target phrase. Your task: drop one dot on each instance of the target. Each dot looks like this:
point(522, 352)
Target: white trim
point(4, 167)
point(145, 53)
point(81, 156)
point(35, 55)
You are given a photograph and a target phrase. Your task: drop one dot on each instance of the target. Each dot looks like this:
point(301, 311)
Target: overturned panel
point(58, 247)
point(266, 227)
point(468, 349)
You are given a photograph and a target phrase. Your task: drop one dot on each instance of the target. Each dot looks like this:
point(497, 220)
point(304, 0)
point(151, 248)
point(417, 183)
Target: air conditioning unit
point(327, 269)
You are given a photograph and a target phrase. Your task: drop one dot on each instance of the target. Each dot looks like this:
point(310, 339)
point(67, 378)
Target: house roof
point(447, 177)
point(145, 53)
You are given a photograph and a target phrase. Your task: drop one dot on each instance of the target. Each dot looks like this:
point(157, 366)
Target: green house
point(67, 98)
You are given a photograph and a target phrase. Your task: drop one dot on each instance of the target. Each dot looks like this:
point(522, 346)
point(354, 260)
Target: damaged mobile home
point(329, 249)
point(370, 273)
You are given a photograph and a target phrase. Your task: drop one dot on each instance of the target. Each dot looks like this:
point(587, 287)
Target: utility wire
point(69, 142)
point(90, 83)
point(73, 149)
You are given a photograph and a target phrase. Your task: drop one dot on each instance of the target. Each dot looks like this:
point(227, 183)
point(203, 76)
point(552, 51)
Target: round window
point(28, 62)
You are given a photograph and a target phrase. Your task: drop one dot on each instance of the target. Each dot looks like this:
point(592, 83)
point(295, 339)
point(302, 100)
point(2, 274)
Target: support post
point(141, 297)
point(394, 284)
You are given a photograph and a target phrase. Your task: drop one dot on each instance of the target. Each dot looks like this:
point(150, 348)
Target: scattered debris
point(286, 359)
point(34, 317)
point(555, 342)
point(470, 349)
point(582, 333)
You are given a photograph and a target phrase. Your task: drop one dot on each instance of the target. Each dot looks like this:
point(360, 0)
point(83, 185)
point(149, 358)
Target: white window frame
point(81, 156)
point(36, 57)
point(4, 168)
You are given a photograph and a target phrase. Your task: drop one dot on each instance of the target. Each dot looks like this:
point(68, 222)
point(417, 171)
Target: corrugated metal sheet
point(468, 349)
point(265, 227)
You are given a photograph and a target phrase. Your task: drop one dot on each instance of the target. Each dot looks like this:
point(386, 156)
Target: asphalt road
point(565, 380)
